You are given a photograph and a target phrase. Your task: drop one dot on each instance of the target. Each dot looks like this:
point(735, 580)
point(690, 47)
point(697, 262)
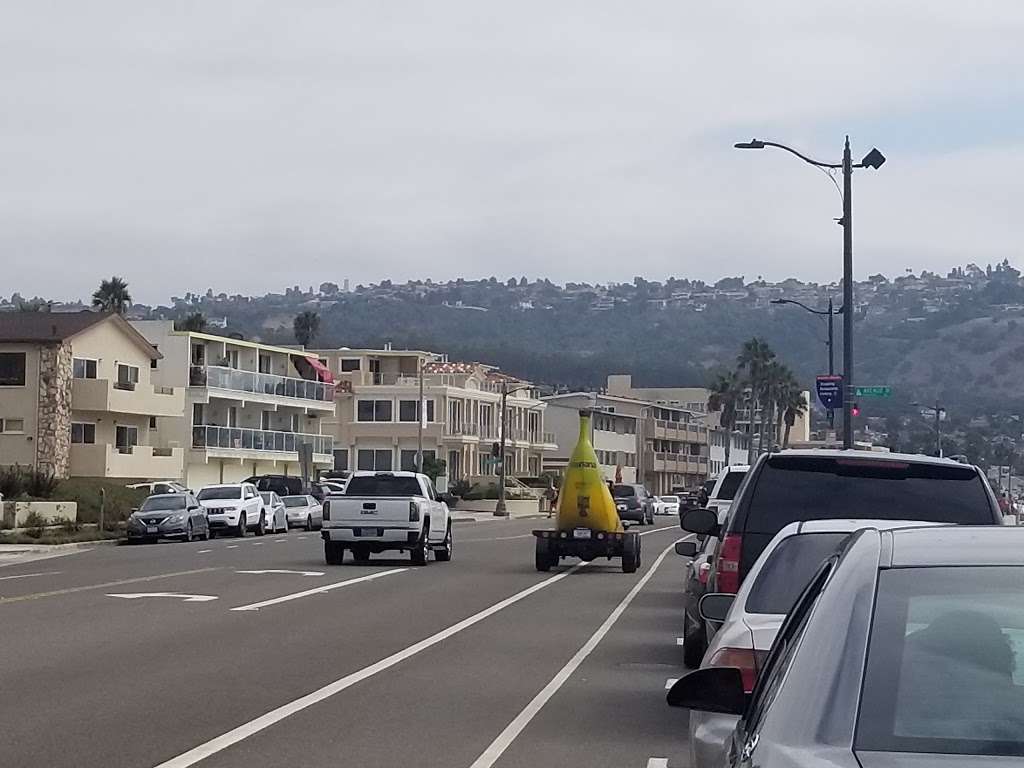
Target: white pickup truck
point(382, 511)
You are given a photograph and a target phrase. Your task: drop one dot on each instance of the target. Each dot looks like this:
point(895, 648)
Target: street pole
point(848, 305)
point(831, 361)
point(499, 508)
point(938, 430)
point(421, 411)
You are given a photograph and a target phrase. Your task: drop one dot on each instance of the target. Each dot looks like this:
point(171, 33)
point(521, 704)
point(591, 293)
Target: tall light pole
point(873, 159)
point(500, 508)
point(830, 312)
point(938, 412)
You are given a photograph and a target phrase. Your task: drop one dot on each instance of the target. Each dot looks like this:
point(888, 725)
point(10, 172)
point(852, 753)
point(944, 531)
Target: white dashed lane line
point(203, 551)
point(317, 590)
point(232, 546)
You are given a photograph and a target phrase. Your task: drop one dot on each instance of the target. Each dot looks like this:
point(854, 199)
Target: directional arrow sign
point(179, 595)
point(297, 573)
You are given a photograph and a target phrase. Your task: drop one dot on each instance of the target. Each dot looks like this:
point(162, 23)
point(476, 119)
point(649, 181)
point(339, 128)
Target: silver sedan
point(304, 512)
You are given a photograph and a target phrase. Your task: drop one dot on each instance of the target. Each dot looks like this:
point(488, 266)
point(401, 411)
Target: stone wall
point(53, 439)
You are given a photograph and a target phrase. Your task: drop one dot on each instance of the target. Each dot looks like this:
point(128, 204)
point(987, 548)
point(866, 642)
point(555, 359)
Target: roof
point(53, 327)
point(982, 545)
point(832, 453)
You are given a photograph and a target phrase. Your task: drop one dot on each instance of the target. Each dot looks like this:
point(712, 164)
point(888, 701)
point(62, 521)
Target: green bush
point(85, 491)
point(12, 481)
point(67, 525)
point(40, 483)
point(34, 524)
point(459, 488)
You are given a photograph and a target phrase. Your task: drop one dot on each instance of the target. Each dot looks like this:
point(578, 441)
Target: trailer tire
point(630, 553)
point(543, 557)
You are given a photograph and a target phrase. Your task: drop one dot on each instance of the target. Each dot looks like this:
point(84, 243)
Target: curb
point(35, 549)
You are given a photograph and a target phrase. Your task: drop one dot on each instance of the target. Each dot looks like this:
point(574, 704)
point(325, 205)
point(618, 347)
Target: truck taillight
point(727, 568)
point(748, 661)
point(327, 509)
point(414, 512)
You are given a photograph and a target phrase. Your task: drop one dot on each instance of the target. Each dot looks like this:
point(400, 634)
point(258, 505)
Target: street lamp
point(500, 508)
point(873, 159)
point(830, 312)
point(939, 412)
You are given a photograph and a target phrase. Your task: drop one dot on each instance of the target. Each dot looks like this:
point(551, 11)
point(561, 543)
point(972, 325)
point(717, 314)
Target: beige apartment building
point(377, 424)
point(249, 408)
point(79, 396)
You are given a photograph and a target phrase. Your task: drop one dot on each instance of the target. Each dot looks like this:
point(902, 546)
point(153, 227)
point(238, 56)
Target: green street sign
point(872, 391)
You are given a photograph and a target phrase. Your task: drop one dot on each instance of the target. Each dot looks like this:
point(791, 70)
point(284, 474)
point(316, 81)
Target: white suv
point(235, 507)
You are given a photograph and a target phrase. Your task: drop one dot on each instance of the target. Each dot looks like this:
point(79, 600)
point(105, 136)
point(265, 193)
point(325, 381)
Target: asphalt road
point(251, 652)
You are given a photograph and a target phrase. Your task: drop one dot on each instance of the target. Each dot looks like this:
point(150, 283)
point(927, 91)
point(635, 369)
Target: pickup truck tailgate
point(370, 510)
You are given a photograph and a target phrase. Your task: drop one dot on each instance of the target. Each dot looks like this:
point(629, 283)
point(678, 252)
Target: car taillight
point(327, 510)
point(414, 512)
point(728, 564)
point(748, 661)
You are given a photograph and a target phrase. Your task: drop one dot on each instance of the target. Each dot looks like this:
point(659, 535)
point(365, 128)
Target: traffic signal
point(855, 409)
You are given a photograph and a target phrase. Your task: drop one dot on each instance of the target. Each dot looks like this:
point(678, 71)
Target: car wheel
point(444, 554)
point(309, 522)
point(188, 533)
point(694, 645)
point(240, 531)
point(421, 551)
point(211, 533)
point(261, 526)
point(543, 557)
point(334, 553)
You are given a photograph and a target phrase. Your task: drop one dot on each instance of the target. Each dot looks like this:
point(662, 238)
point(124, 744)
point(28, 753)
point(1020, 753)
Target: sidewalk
point(459, 516)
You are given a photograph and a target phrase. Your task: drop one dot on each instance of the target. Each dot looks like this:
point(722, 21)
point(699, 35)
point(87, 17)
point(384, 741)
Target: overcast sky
point(251, 145)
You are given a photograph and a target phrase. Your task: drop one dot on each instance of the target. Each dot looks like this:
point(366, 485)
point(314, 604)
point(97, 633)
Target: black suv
point(287, 485)
point(633, 502)
point(793, 486)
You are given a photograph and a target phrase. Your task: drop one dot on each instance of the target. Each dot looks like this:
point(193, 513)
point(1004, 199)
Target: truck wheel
point(360, 554)
point(444, 554)
point(261, 526)
point(334, 553)
point(630, 553)
point(421, 551)
point(543, 557)
point(694, 646)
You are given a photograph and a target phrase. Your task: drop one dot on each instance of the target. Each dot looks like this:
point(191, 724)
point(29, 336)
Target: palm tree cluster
point(763, 387)
point(112, 296)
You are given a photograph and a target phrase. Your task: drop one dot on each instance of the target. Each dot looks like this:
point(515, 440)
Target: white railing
point(260, 383)
point(238, 438)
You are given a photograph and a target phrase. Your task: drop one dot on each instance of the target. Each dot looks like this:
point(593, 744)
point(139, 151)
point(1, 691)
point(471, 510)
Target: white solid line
point(680, 641)
point(203, 551)
point(244, 731)
point(497, 747)
point(670, 682)
point(232, 546)
point(184, 597)
point(297, 573)
point(317, 590)
point(657, 762)
point(27, 575)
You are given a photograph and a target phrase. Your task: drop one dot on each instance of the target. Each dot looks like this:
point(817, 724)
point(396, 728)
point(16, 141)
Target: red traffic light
point(855, 409)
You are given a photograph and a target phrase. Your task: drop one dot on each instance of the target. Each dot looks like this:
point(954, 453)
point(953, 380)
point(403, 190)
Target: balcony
point(684, 431)
point(105, 395)
point(412, 381)
point(250, 386)
point(680, 463)
point(137, 462)
point(257, 443)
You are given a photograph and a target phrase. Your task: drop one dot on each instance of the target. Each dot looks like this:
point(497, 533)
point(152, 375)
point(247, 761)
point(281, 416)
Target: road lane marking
point(257, 543)
point(280, 541)
point(185, 598)
point(657, 762)
point(298, 573)
point(303, 537)
point(105, 585)
point(203, 551)
point(30, 575)
point(317, 590)
point(670, 682)
point(497, 748)
point(244, 731)
point(232, 546)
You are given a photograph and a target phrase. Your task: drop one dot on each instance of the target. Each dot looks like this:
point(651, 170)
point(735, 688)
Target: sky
point(251, 145)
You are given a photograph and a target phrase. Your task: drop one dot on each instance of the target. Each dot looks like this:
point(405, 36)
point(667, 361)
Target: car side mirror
point(701, 521)
point(686, 548)
point(711, 689)
point(714, 606)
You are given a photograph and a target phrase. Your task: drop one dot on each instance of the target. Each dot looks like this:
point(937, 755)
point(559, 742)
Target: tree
point(112, 296)
point(306, 327)
point(726, 393)
point(753, 360)
point(433, 467)
point(194, 322)
point(795, 405)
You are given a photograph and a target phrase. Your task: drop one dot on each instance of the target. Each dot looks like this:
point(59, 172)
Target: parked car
point(383, 511)
point(633, 502)
point(159, 486)
point(752, 617)
point(901, 651)
point(333, 487)
point(235, 507)
point(303, 512)
point(666, 505)
point(277, 518)
point(790, 486)
point(168, 516)
point(727, 483)
point(287, 485)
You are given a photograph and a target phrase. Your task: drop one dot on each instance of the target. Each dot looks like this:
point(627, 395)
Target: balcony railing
point(242, 439)
point(260, 383)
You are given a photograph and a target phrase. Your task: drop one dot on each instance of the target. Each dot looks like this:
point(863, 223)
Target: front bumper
point(225, 521)
point(139, 530)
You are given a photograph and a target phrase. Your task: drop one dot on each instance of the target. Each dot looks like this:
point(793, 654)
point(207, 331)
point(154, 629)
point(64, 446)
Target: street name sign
point(876, 391)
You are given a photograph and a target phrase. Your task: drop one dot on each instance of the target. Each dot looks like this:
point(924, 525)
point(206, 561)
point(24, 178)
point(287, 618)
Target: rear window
point(789, 569)
point(800, 488)
point(219, 493)
point(623, 491)
point(383, 485)
point(729, 485)
point(295, 501)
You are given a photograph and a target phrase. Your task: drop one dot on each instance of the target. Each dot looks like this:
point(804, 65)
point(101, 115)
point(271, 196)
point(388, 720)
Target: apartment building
point(738, 450)
point(377, 424)
point(80, 396)
point(615, 436)
point(250, 408)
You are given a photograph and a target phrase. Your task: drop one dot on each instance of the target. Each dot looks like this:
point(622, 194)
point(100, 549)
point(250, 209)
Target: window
point(83, 368)
point(12, 369)
point(222, 493)
point(788, 570)
point(374, 460)
point(126, 438)
point(945, 668)
point(383, 486)
point(83, 434)
point(349, 364)
point(197, 413)
point(407, 410)
point(341, 459)
point(408, 460)
point(12, 425)
point(127, 376)
point(374, 410)
point(152, 422)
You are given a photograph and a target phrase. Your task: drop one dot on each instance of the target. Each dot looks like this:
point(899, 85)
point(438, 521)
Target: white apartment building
point(249, 408)
point(614, 435)
point(377, 424)
point(716, 454)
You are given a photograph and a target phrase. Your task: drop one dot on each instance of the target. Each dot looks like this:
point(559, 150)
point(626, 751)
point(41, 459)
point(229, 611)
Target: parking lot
point(247, 652)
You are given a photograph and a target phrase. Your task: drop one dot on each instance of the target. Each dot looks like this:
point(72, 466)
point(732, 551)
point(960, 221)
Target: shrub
point(459, 488)
point(12, 482)
point(86, 493)
point(68, 525)
point(34, 523)
point(40, 483)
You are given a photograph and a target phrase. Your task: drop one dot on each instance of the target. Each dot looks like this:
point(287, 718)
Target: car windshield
point(295, 501)
point(788, 569)
point(670, 499)
point(160, 503)
point(219, 492)
point(383, 485)
point(623, 491)
point(945, 669)
point(791, 488)
point(729, 486)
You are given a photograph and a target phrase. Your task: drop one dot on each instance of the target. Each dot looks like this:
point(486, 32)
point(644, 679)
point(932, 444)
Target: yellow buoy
point(584, 500)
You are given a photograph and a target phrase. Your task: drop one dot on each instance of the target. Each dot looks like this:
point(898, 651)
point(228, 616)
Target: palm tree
point(112, 296)
point(726, 394)
point(306, 327)
point(754, 359)
point(193, 322)
point(795, 406)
